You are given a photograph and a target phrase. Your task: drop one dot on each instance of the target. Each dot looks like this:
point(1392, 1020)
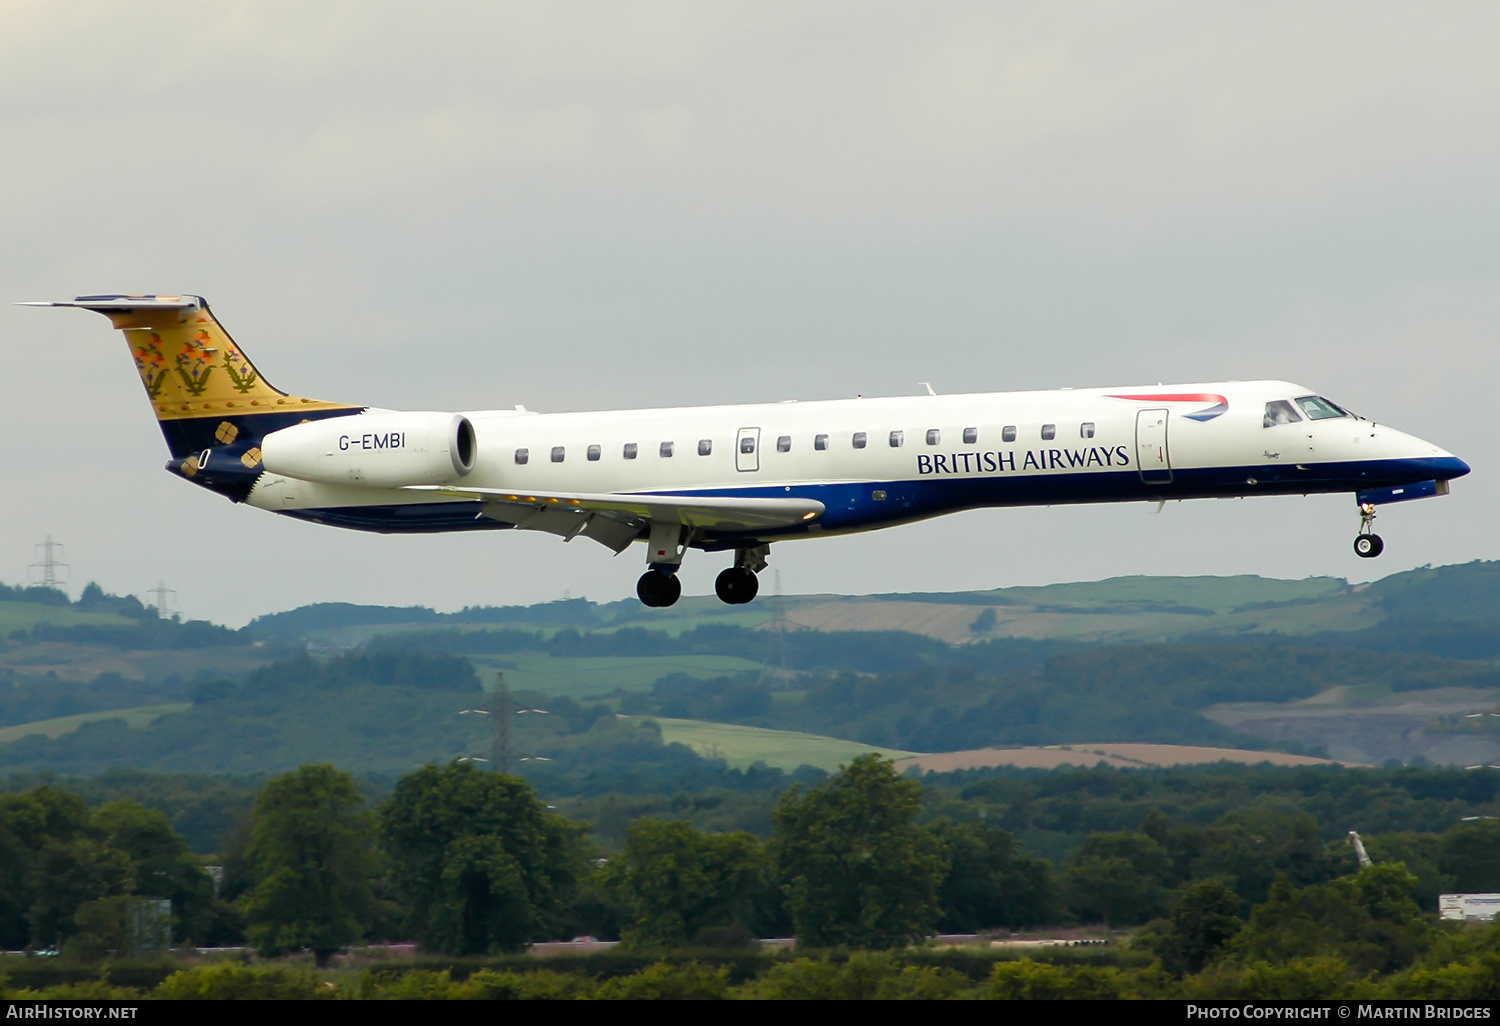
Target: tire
point(1368, 546)
point(658, 590)
point(736, 586)
point(673, 590)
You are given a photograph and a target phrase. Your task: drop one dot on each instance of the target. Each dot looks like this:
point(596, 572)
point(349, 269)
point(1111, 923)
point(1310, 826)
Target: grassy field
point(140, 716)
point(743, 746)
point(596, 677)
point(22, 616)
point(1122, 608)
point(75, 662)
point(1221, 594)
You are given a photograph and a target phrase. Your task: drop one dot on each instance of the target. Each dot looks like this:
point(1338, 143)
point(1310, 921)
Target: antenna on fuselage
point(927, 385)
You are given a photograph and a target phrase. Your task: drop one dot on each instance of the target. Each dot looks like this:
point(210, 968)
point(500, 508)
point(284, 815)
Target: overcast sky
point(585, 205)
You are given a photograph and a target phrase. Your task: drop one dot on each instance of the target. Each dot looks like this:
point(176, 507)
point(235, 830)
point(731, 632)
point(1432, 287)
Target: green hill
point(742, 747)
point(1127, 659)
point(140, 716)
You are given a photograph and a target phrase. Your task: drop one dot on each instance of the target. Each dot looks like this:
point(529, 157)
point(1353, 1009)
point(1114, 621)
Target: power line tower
point(776, 648)
point(160, 593)
point(499, 710)
point(50, 563)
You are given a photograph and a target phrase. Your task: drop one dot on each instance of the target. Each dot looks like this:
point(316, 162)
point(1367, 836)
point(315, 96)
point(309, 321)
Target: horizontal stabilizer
point(107, 304)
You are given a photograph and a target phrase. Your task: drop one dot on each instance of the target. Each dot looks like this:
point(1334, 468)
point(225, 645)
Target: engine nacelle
point(377, 450)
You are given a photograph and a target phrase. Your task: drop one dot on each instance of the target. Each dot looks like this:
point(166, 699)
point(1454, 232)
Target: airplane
point(739, 478)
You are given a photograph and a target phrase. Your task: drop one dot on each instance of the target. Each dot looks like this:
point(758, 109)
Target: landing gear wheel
point(737, 585)
point(657, 589)
point(1368, 546)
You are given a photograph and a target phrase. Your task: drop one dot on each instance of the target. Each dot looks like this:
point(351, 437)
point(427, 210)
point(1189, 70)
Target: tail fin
point(206, 394)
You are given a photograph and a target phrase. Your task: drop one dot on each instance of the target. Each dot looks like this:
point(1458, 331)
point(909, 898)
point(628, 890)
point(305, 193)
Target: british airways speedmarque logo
point(1217, 408)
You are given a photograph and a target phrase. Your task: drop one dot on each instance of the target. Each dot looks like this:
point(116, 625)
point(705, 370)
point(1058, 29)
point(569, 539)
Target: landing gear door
point(747, 449)
point(1152, 458)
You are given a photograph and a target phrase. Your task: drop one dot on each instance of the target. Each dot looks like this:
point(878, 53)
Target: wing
point(616, 519)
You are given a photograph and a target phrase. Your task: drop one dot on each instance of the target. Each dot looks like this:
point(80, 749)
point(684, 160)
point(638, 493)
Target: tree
point(42, 818)
point(1470, 854)
point(161, 863)
point(480, 863)
point(1368, 920)
point(53, 859)
point(678, 882)
point(69, 873)
point(1248, 848)
point(989, 882)
point(856, 868)
point(1118, 878)
point(311, 855)
point(1205, 919)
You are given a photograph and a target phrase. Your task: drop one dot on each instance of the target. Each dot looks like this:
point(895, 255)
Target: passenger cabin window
point(747, 444)
point(860, 439)
point(1086, 429)
point(784, 443)
point(666, 450)
point(522, 455)
point(558, 452)
point(897, 438)
point(934, 436)
point(1315, 407)
point(631, 449)
point(820, 442)
point(1049, 432)
point(705, 447)
point(1008, 433)
point(971, 436)
point(593, 453)
point(1279, 411)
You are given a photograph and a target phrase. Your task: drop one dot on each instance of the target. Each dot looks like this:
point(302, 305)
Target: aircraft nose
point(1450, 467)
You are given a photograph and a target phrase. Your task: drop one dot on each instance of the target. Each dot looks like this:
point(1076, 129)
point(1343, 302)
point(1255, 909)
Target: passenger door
point(747, 449)
point(1152, 459)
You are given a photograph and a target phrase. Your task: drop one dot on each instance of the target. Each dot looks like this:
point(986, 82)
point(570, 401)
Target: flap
point(723, 513)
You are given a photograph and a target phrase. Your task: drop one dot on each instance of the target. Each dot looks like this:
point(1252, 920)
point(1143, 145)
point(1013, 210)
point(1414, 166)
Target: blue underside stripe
point(852, 506)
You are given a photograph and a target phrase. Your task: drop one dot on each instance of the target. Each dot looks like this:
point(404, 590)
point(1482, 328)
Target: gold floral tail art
point(196, 376)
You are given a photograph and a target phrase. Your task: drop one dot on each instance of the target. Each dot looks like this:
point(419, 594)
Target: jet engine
point(376, 450)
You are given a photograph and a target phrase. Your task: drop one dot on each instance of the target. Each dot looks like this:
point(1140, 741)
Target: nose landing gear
point(1367, 544)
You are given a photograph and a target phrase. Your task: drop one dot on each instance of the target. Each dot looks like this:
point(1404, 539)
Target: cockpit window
point(1318, 408)
point(1279, 411)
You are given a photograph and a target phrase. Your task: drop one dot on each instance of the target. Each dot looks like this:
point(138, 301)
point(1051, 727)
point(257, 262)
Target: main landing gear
point(1367, 544)
point(738, 584)
point(659, 588)
point(666, 545)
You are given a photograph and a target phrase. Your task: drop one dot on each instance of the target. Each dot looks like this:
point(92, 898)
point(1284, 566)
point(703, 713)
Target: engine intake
point(376, 450)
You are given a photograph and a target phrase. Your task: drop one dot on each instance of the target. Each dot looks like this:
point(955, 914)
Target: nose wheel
point(1367, 544)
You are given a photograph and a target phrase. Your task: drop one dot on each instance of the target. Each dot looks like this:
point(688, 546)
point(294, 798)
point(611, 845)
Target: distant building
point(1480, 907)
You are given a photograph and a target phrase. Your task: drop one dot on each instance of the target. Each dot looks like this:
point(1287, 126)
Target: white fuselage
point(921, 456)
